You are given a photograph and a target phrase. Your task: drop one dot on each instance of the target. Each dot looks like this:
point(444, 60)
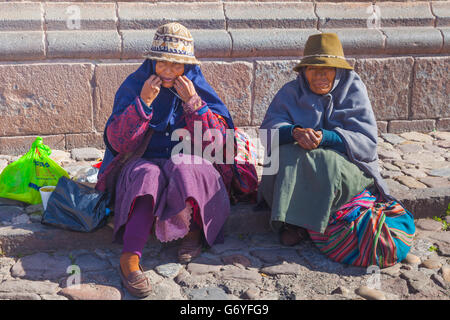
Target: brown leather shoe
point(292, 235)
point(191, 246)
point(137, 283)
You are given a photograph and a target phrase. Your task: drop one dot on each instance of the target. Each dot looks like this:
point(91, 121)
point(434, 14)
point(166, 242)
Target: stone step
point(24, 239)
point(33, 236)
point(109, 31)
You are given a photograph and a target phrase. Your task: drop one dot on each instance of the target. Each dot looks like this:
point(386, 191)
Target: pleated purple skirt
point(170, 183)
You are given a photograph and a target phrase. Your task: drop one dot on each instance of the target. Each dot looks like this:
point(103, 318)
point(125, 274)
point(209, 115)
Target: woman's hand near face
point(150, 89)
point(308, 139)
point(185, 88)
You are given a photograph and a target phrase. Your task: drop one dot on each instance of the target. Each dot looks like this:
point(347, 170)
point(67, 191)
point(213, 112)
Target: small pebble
point(410, 182)
point(392, 138)
point(428, 225)
point(22, 219)
point(237, 260)
point(87, 154)
point(413, 275)
point(391, 167)
point(251, 294)
point(341, 290)
point(169, 270)
point(445, 270)
point(407, 267)
point(427, 272)
point(370, 294)
point(392, 271)
point(417, 286)
point(90, 291)
point(440, 281)
point(100, 253)
point(411, 259)
point(431, 263)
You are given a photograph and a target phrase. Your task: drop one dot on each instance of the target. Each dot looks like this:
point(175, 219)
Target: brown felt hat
point(323, 50)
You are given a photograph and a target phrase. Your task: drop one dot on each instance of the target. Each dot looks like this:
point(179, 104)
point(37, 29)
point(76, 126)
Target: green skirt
point(309, 186)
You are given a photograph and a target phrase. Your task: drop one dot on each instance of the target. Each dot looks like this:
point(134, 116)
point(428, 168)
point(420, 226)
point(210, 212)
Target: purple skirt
point(170, 182)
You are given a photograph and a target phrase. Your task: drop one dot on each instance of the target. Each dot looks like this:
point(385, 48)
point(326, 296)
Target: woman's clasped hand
point(308, 139)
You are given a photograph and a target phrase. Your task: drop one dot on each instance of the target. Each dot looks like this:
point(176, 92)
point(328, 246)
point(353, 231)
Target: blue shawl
point(166, 102)
point(346, 109)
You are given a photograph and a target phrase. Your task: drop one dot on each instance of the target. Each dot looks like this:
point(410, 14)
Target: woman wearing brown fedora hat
point(155, 186)
point(328, 163)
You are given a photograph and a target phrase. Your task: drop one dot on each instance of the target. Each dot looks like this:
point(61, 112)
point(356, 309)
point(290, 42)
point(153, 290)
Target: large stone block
point(405, 14)
point(22, 45)
point(82, 140)
point(176, 0)
point(270, 77)
point(108, 78)
point(151, 1)
point(152, 15)
point(207, 43)
point(367, 1)
point(21, 145)
point(269, 42)
point(446, 35)
point(80, 16)
point(425, 203)
point(45, 99)
point(399, 126)
point(441, 10)
point(431, 89)
point(135, 43)
point(15, 16)
point(416, 40)
point(212, 43)
point(36, 237)
point(233, 83)
point(260, 0)
point(84, 44)
point(443, 124)
point(343, 15)
point(359, 40)
point(269, 15)
point(387, 81)
point(382, 126)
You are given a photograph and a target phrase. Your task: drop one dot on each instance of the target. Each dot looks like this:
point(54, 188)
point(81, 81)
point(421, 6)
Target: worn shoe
point(191, 246)
point(291, 235)
point(137, 283)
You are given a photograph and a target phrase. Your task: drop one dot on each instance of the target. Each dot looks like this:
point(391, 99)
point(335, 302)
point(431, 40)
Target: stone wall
point(59, 74)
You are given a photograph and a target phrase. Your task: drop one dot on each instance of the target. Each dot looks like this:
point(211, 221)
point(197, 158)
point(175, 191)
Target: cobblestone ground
point(243, 267)
point(251, 266)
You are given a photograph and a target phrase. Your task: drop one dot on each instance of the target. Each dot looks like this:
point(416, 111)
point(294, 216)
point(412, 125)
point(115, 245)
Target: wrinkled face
point(320, 79)
point(168, 72)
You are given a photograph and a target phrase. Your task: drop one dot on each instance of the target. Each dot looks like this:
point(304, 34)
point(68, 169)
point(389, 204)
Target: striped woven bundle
point(365, 232)
point(246, 151)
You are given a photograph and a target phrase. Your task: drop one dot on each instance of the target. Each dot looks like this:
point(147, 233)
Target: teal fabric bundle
point(365, 232)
